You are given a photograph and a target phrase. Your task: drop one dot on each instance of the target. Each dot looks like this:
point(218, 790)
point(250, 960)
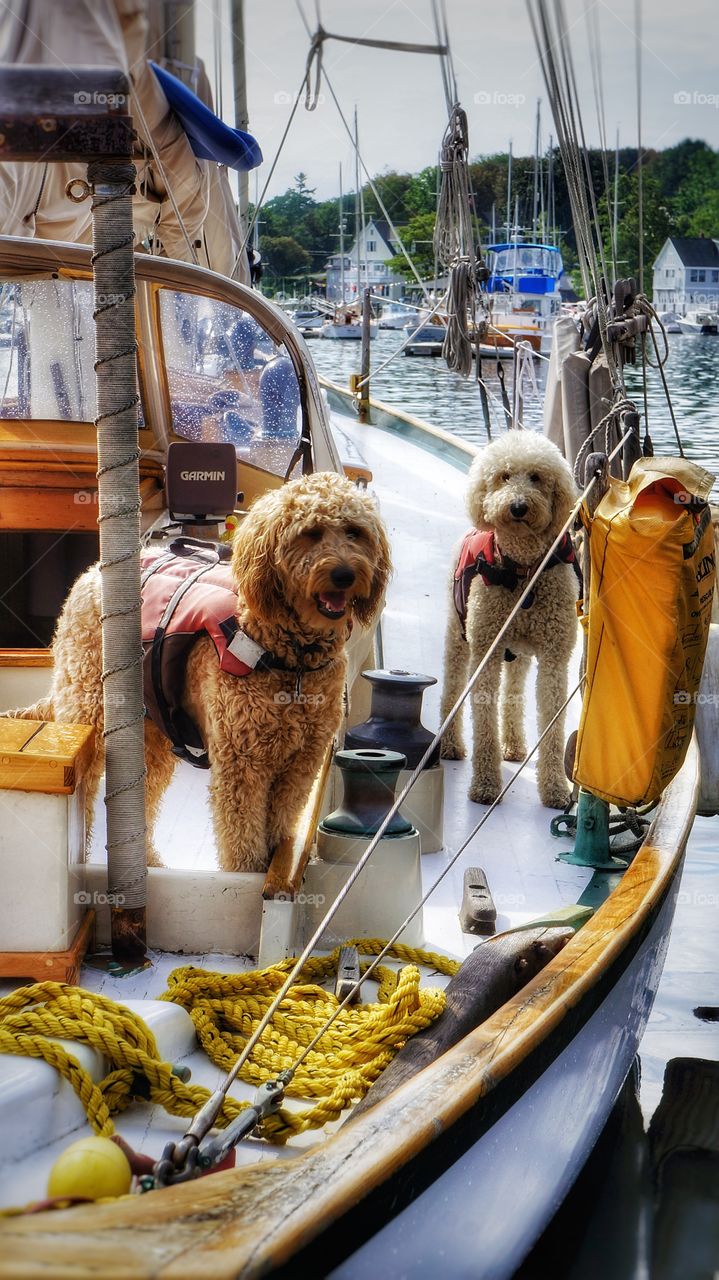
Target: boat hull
point(345, 332)
point(513, 1175)
point(704, 330)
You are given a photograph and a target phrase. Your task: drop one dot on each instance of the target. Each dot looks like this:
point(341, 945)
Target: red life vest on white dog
point(479, 556)
point(187, 592)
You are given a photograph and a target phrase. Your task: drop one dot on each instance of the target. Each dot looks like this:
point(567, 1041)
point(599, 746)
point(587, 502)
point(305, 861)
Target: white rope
point(515, 341)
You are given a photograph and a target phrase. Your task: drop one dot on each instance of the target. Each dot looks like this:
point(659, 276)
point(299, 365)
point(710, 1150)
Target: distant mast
point(615, 211)
point(550, 191)
point(535, 188)
point(342, 244)
point(509, 191)
point(357, 206)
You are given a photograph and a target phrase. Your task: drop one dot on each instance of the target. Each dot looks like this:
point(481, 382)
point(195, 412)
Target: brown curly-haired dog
point(522, 491)
point(307, 559)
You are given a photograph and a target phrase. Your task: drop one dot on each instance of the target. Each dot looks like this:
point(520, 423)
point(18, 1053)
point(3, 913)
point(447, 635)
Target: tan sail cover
point(32, 196)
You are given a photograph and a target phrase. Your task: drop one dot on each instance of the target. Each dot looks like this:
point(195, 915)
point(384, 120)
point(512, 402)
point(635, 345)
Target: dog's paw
point(452, 748)
point(514, 749)
point(484, 790)
point(555, 795)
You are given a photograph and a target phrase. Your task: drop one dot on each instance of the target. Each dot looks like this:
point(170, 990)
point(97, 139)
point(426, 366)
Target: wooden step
point(44, 756)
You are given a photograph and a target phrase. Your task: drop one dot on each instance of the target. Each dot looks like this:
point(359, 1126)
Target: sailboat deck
point(421, 498)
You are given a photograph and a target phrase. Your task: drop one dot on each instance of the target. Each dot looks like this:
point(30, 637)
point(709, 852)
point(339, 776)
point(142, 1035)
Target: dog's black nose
point(518, 509)
point(342, 576)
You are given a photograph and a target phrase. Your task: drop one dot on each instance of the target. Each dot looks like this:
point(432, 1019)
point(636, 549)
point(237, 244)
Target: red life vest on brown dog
point(187, 592)
point(479, 557)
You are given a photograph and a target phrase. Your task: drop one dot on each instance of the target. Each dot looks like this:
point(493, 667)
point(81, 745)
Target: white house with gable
point(686, 275)
point(366, 265)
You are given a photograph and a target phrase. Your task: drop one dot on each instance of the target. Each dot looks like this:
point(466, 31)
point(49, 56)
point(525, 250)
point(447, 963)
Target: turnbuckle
point(193, 1155)
point(268, 1099)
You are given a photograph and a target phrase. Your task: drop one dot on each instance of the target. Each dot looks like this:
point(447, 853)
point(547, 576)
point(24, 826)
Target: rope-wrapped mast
point(60, 115)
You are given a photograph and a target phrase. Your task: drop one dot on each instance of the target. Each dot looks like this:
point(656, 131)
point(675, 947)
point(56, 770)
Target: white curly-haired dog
point(521, 492)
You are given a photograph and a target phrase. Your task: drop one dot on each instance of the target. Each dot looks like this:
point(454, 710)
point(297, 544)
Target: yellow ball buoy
point(91, 1168)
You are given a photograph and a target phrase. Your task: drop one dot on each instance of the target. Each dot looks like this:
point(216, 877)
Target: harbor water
point(424, 387)
point(645, 1207)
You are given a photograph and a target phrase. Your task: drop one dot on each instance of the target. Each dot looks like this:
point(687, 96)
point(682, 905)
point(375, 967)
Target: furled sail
point(183, 206)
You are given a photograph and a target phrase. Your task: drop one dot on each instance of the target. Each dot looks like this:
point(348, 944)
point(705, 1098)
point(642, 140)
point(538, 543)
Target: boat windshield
point(528, 259)
point(228, 380)
point(47, 350)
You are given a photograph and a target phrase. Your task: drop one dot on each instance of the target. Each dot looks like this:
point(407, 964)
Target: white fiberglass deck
point(422, 499)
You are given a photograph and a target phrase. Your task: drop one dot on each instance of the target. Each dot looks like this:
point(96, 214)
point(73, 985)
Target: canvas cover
point(32, 196)
point(652, 583)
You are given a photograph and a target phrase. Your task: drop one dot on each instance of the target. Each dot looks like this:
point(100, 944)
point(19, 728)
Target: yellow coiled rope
point(225, 1009)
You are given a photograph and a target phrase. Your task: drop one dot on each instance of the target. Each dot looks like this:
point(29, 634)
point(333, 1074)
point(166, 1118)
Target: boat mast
point(357, 206)
point(509, 190)
point(342, 245)
point(550, 191)
point(239, 75)
point(615, 211)
point(515, 237)
point(535, 190)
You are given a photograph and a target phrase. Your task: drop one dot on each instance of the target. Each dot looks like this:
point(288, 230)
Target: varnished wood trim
point(50, 966)
point(52, 434)
point(44, 756)
point(357, 473)
point(55, 503)
point(25, 658)
point(250, 1220)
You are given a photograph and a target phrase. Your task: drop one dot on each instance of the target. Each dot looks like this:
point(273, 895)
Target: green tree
point(657, 223)
point(285, 257)
point(417, 236)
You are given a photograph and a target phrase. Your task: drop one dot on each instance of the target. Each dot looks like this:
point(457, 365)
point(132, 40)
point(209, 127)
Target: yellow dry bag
point(652, 581)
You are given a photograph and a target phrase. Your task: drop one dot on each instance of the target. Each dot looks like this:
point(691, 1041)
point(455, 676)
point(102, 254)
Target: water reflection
point(426, 388)
point(645, 1205)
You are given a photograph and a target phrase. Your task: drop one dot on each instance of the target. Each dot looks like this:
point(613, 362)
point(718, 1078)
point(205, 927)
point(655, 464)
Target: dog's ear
point(564, 496)
point(254, 552)
point(479, 474)
point(365, 611)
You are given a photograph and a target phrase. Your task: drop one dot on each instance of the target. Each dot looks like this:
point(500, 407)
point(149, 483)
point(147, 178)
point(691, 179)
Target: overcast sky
point(400, 99)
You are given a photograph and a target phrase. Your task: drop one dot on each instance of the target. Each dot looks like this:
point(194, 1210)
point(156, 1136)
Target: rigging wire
point(373, 188)
point(286, 1075)
point(595, 59)
point(640, 168)
point(205, 1118)
point(256, 211)
point(563, 94)
point(561, 86)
